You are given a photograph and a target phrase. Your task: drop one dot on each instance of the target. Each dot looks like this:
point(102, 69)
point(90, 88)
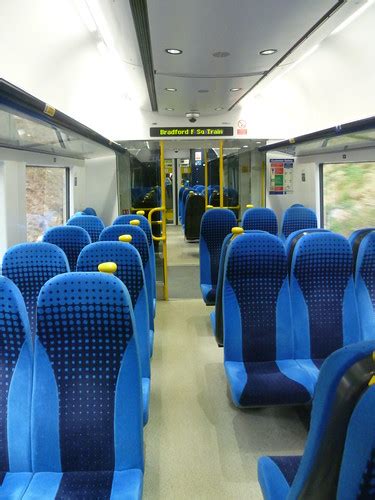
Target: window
point(348, 196)
point(47, 192)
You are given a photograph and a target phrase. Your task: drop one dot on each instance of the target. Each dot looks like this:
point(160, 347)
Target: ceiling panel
point(241, 27)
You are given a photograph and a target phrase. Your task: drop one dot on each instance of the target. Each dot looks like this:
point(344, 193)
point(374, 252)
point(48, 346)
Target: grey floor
point(197, 444)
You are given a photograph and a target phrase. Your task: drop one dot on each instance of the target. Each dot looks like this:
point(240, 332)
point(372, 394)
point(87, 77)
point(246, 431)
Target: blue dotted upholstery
point(347, 437)
point(261, 219)
point(139, 241)
point(296, 218)
point(92, 224)
point(130, 272)
point(292, 240)
point(365, 285)
point(323, 298)
point(15, 391)
point(71, 240)
point(87, 399)
point(258, 340)
point(89, 211)
point(215, 225)
point(29, 266)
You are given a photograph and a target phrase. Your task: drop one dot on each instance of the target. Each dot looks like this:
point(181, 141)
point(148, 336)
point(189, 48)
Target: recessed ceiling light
point(173, 52)
point(259, 142)
point(170, 89)
point(219, 109)
point(235, 89)
point(245, 146)
point(221, 54)
point(203, 91)
point(267, 52)
point(169, 109)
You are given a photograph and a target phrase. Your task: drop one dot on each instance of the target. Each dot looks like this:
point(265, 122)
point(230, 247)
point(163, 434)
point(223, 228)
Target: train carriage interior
point(187, 249)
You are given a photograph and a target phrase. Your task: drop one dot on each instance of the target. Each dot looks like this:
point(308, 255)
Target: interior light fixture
point(351, 18)
point(245, 146)
point(173, 52)
point(219, 108)
point(235, 89)
point(259, 142)
point(169, 109)
point(267, 52)
point(170, 89)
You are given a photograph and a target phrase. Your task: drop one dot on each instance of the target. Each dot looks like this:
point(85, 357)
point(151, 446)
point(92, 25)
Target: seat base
point(276, 475)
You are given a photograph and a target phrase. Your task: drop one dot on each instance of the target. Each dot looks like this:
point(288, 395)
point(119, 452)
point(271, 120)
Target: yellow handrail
point(152, 211)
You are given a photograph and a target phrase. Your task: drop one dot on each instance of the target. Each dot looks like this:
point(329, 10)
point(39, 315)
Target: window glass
point(348, 196)
point(46, 199)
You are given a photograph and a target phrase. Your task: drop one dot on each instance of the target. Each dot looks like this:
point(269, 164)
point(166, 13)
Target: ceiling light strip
point(142, 29)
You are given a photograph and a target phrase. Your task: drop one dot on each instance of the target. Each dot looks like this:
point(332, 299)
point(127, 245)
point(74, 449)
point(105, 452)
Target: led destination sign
point(191, 131)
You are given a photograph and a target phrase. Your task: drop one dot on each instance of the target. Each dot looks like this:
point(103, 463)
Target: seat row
point(71, 397)
point(279, 328)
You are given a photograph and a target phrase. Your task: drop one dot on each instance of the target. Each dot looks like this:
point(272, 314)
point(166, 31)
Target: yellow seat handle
point(140, 212)
point(237, 230)
point(125, 238)
point(135, 222)
point(249, 205)
point(107, 267)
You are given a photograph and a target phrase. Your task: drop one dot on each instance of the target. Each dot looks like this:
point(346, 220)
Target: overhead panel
point(240, 28)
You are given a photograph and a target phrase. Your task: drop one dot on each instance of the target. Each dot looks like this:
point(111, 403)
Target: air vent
point(221, 54)
point(203, 91)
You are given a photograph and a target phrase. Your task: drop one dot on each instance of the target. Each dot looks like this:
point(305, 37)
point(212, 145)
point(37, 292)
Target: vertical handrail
point(205, 178)
point(221, 174)
point(164, 221)
point(263, 181)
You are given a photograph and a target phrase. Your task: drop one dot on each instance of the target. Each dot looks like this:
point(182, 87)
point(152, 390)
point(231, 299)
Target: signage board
point(191, 131)
point(281, 176)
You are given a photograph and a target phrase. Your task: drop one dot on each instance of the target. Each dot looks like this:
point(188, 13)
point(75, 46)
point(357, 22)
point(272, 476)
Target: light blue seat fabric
point(216, 224)
point(139, 241)
point(145, 225)
point(92, 224)
point(297, 218)
point(260, 219)
point(86, 417)
point(89, 211)
point(29, 266)
point(325, 314)
point(130, 272)
point(340, 446)
point(258, 338)
point(71, 240)
point(365, 285)
point(15, 392)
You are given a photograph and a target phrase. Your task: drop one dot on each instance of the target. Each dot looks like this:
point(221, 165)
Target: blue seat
point(139, 240)
point(29, 266)
point(292, 240)
point(365, 285)
point(216, 224)
point(130, 272)
point(296, 205)
point(297, 218)
point(15, 392)
point(92, 224)
point(258, 337)
point(145, 225)
point(261, 219)
point(71, 240)
point(180, 193)
point(184, 197)
point(355, 240)
point(89, 211)
point(325, 315)
point(339, 452)
point(87, 432)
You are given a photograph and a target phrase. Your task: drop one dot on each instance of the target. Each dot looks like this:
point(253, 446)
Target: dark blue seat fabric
point(325, 315)
point(185, 194)
point(216, 224)
point(292, 240)
point(296, 205)
point(365, 285)
point(355, 240)
point(339, 438)
point(130, 272)
point(71, 240)
point(15, 392)
point(139, 240)
point(29, 266)
point(261, 219)
point(258, 338)
point(92, 224)
point(297, 218)
point(86, 417)
point(145, 225)
point(89, 211)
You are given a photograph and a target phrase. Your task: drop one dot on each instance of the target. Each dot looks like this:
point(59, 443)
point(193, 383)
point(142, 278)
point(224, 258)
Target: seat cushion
point(268, 383)
point(276, 474)
point(14, 484)
point(312, 367)
point(146, 383)
point(124, 485)
point(209, 294)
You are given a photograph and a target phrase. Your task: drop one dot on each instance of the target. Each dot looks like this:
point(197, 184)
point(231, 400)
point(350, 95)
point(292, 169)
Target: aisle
point(197, 444)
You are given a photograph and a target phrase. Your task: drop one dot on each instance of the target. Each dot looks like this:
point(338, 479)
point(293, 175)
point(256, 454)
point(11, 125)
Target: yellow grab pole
point(164, 221)
point(221, 174)
point(263, 181)
point(206, 178)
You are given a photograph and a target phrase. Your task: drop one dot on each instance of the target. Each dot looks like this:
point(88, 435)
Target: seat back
point(29, 266)
point(342, 379)
point(180, 193)
point(92, 224)
point(297, 218)
point(15, 380)
point(296, 205)
point(256, 300)
point(89, 211)
point(365, 285)
point(261, 219)
point(355, 240)
point(130, 272)
point(87, 399)
point(139, 241)
point(216, 224)
point(292, 240)
point(183, 203)
point(324, 307)
point(71, 240)
point(194, 210)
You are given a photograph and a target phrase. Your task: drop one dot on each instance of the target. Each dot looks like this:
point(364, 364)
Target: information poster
point(281, 176)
